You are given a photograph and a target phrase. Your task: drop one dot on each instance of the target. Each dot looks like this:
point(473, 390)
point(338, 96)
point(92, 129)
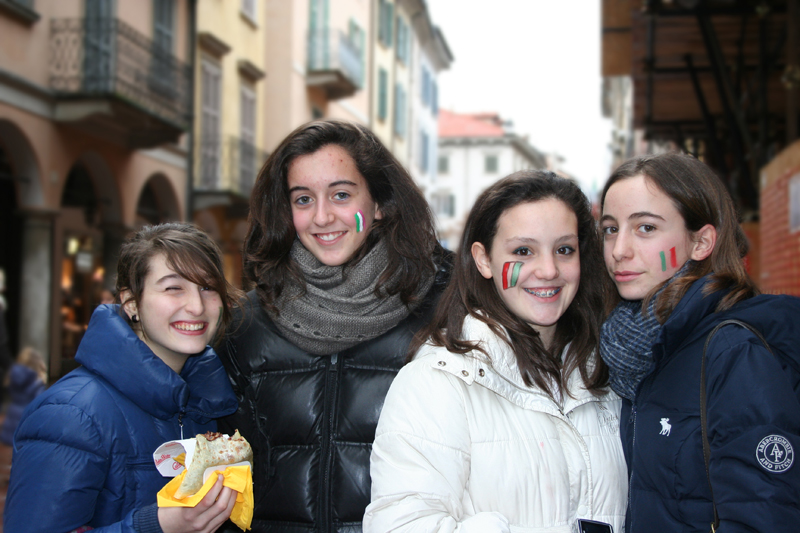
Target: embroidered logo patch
point(775, 454)
point(666, 427)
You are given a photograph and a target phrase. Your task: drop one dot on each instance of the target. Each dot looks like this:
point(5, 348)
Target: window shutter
point(382, 96)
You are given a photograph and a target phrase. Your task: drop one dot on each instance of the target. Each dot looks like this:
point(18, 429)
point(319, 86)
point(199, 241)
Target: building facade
point(95, 102)
point(475, 150)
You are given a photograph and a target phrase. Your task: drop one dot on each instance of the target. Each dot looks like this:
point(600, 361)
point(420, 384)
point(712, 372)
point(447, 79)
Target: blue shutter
point(382, 96)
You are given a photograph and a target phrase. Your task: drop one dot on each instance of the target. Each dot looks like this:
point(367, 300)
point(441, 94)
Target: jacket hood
point(112, 350)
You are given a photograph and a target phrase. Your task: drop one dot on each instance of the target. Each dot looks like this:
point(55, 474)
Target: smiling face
point(543, 237)
point(177, 318)
point(332, 209)
point(645, 237)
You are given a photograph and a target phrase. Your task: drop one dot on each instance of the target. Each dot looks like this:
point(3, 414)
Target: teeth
point(547, 293)
point(190, 327)
point(329, 236)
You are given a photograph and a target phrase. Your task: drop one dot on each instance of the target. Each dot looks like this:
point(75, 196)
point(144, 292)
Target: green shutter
point(382, 96)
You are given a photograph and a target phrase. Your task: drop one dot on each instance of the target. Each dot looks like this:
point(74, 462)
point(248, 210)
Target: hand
point(209, 514)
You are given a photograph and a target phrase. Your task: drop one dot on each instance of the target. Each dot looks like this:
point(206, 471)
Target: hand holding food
point(213, 449)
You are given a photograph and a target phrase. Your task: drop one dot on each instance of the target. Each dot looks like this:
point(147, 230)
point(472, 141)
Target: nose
point(546, 268)
point(620, 247)
point(194, 304)
point(323, 214)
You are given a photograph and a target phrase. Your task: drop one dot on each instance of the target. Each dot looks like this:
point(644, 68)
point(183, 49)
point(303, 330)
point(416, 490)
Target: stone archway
point(157, 202)
point(25, 250)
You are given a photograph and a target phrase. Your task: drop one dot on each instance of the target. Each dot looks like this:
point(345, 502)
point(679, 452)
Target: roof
point(470, 124)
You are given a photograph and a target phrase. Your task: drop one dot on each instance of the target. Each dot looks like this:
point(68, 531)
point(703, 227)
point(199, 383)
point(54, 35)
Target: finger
point(212, 495)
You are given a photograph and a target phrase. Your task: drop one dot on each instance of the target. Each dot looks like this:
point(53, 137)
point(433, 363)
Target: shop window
point(490, 164)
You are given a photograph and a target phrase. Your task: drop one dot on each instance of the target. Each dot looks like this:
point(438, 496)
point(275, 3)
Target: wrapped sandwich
point(213, 449)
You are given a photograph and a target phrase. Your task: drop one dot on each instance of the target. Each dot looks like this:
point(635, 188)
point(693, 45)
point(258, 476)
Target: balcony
point(334, 64)
point(226, 172)
point(113, 81)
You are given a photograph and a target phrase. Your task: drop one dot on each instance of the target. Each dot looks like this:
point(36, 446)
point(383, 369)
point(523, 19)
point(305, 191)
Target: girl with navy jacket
point(83, 452)
point(673, 248)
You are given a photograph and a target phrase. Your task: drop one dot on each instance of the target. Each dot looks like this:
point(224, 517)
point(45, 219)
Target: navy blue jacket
point(753, 404)
point(83, 452)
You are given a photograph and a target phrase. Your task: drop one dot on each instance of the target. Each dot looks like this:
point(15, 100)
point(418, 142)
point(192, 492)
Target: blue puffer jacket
point(83, 452)
point(753, 404)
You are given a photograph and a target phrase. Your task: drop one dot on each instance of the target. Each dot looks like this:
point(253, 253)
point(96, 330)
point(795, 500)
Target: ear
point(128, 303)
point(703, 242)
point(378, 214)
point(481, 259)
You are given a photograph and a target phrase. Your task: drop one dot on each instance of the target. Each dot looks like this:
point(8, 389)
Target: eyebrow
point(333, 184)
point(531, 240)
point(634, 216)
point(168, 277)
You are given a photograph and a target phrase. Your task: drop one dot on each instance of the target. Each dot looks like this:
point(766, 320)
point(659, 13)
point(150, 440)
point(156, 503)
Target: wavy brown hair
point(189, 251)
point(701, 198)
point(469, 293)
point(406, 225)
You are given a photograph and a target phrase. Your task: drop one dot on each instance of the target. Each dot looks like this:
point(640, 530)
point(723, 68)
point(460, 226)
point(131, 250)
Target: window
point(403, 42)
point(210, 142)
point(356, 36)
point(794, 203)
point(385, 22)
point(249, 9)
point(383, 89)
point(423, 152)
point(426, 82)
point(248, 166)
point(444, 164)
point(490, 165)
point(163, 37)
point(399, 110)
point(444, 204)
point(434, 97)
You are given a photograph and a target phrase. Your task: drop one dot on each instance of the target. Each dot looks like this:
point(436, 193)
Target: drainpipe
point(189, 215)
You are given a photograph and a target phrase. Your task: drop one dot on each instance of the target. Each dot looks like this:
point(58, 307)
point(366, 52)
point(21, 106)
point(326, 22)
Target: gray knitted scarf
point(339, 308)
point(626, 341)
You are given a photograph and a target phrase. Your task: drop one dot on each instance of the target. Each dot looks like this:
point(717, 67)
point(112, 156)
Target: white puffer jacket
point(464, 445)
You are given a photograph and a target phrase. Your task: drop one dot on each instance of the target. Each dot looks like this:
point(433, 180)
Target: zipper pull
point(180, 423)
point(334, 359)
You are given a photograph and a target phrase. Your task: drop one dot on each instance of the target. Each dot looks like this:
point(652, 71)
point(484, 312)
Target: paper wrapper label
point(238, 478)
point(165, 455)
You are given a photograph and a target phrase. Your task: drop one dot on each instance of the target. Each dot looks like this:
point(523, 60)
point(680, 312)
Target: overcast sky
point(537, 63)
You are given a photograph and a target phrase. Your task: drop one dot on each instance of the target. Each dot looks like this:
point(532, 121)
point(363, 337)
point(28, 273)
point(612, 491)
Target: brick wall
point(780, 248)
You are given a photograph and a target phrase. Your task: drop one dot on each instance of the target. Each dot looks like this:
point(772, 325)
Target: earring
point(135, 319)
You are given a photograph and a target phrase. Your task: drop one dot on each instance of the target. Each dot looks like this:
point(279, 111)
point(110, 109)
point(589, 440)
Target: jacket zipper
point(327, 442)
point(633, 447)
point(567, 417)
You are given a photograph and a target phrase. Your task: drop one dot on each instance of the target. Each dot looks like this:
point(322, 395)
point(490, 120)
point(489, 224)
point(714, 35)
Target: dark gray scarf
point(626, 341)
point(339, 308)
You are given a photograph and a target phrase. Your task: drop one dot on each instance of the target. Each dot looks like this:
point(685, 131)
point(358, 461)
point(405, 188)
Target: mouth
point(544, 293)
point(625, 275)
point(192, 328)
point(329, 237)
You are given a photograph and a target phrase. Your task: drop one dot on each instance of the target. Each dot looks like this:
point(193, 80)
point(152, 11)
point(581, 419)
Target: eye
point(208, 289)
point(341, 196)
point(610, 230)
point(302, 200)
point(522, 250)
point(565, 250)
point(173, 288)
point(647, 228)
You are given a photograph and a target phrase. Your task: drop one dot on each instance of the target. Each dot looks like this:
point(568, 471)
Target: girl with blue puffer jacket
point(83, 451)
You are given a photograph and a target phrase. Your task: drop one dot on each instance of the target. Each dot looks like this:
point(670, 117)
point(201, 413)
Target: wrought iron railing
point(332, 50)
point(231, 165)
point(105, 56)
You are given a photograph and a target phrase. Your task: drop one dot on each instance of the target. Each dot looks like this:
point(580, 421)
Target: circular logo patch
point(775, 454)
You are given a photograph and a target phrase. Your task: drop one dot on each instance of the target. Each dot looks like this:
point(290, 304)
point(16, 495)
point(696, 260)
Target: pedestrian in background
point(26, 380)
point(674, 249)
point(503, 420)
point(343, 254)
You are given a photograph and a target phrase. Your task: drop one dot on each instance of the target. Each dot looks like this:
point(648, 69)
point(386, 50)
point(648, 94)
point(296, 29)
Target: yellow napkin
point(239, 478)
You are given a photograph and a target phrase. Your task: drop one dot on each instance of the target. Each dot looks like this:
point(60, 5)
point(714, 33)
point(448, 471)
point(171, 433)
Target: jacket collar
point(502, 375)
point(112, 350)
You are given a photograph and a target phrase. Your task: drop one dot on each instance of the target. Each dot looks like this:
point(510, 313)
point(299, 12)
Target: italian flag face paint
point(359, 221)
point(511, 273)
point(673, 259)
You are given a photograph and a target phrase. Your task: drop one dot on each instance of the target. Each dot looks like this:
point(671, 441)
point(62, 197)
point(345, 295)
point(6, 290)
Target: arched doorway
point(157, 202)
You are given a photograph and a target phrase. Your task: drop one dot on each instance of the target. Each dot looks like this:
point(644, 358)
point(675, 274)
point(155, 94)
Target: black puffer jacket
point(311, 419)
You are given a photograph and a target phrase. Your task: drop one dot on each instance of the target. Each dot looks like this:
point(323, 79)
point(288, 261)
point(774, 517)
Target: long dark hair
point(406, 225)
point(189, 251)
point(701, 198)
point(469, 293)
